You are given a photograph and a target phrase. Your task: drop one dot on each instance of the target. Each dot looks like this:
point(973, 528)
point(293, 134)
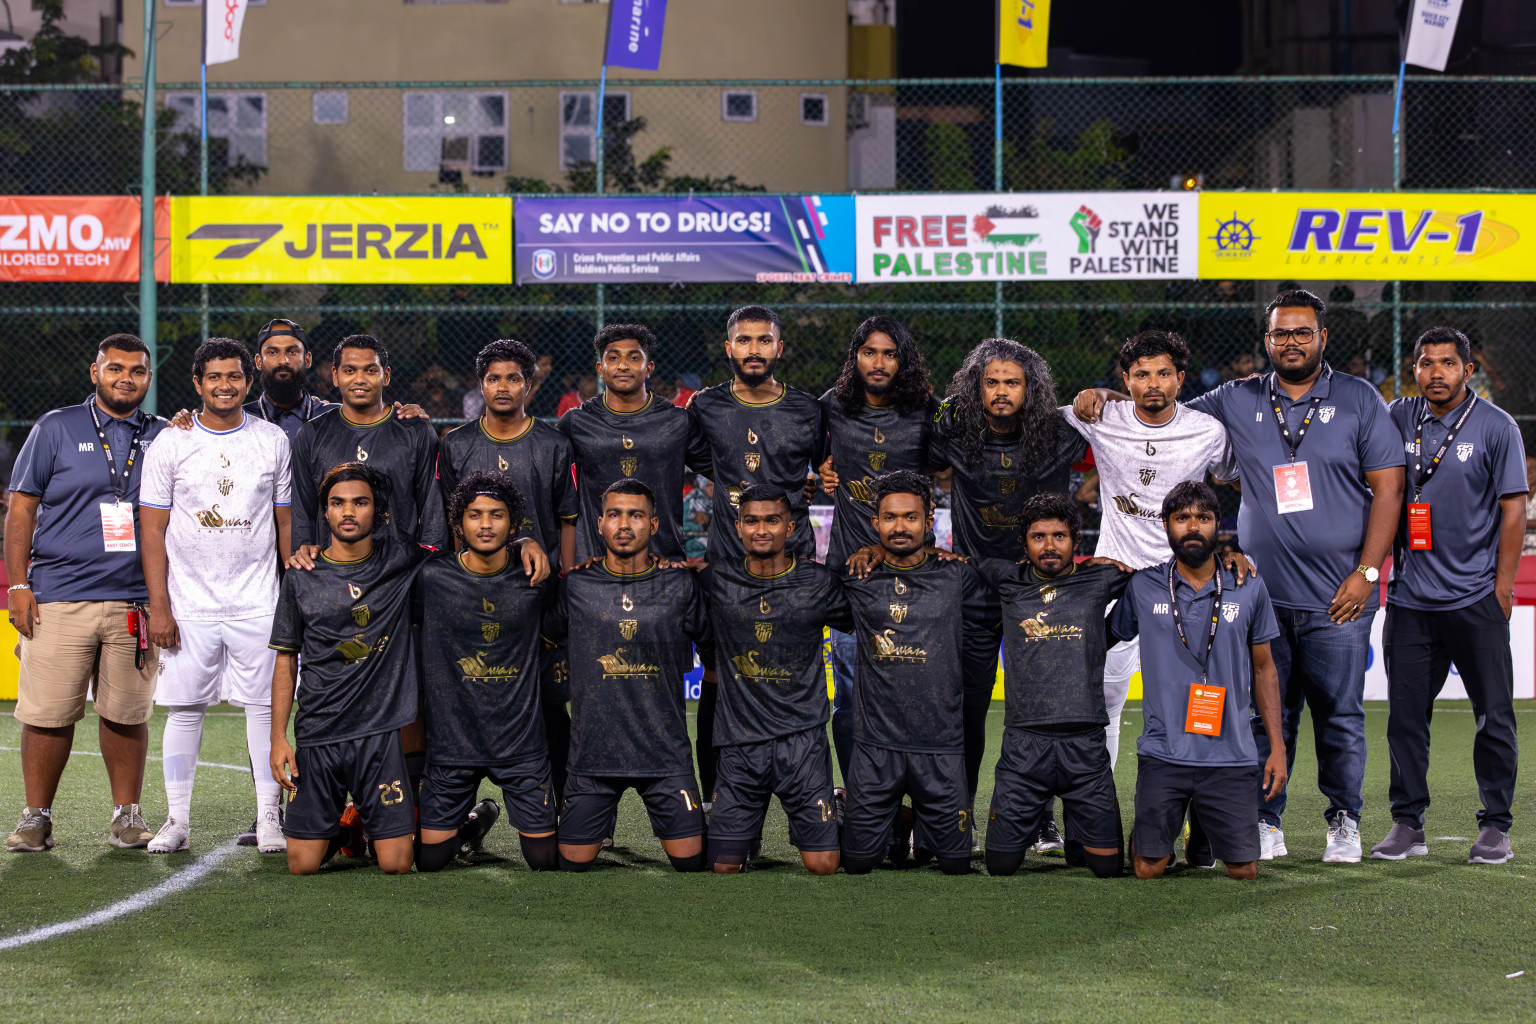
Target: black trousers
point(1420, 649)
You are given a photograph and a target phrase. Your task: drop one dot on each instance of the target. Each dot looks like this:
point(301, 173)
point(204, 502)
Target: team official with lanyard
point(1452, 586)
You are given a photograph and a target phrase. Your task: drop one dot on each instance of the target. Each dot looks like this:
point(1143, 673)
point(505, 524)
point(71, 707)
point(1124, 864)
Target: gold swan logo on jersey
point(751, 436)
point(214, 520)
point(626, 441)
point(477, 670)
point(490, 630)
point(628, 464)
point(357, 649)
point(735, 493)
point(997, 515)
point(1038, 629)
point(362, 456)
point(886, 648)
point(898, 611)
point(616, 665)
point(628, 628)
point(746, 665)
point(501, 463)
point(877, 461)
point(763, 631)
point(860, 490)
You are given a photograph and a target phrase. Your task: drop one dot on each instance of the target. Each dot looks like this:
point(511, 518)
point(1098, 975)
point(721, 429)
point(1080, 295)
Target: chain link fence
point(801, 136)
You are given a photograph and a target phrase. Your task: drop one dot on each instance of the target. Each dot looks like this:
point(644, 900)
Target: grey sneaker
point(128, 829)
point(33, 835)
point(1402, 842)
point(1492, 847)
point(1343, 840)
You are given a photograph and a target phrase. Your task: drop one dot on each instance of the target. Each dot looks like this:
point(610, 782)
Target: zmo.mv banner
point(78, 238)
point(365, 240)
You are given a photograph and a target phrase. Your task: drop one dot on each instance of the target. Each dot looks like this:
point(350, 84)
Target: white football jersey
point(220, 488)
point(1138, 465)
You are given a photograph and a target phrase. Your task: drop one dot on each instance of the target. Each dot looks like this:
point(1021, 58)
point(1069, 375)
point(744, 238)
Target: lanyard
point(1422, 473)
point(119, 483)
point(1284, 427)
point(1178, 618)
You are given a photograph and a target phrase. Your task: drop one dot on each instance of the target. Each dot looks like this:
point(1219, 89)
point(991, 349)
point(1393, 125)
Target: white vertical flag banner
point(1430, 30)
point(222, 21)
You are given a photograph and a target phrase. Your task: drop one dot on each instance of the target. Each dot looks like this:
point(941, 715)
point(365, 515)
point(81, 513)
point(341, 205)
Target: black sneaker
point(248, 837)
point(839, 802)
point(901, 838)
point(475, 828)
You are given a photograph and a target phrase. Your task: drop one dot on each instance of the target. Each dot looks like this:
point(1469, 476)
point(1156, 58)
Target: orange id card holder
point(1205, 706)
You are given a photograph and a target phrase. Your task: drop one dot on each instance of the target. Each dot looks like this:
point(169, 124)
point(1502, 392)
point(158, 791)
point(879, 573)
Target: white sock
point(183, 740)
point(258, 743)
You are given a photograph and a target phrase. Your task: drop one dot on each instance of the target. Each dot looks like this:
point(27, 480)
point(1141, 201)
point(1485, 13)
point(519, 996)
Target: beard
point(1194, 554)
point(284, 390)
point(882, 388)
point(1301, 372)
point(109, 400)
point(754, 380)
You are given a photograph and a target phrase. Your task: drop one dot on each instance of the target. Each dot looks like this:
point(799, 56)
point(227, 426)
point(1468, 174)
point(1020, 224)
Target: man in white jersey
point(214, 511)
point(1143, 449)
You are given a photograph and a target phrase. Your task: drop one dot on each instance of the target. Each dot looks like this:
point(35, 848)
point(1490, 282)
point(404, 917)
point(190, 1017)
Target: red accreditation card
point(1418, 527)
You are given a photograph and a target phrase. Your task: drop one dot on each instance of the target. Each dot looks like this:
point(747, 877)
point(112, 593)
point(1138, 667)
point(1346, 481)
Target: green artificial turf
point(1430, 939)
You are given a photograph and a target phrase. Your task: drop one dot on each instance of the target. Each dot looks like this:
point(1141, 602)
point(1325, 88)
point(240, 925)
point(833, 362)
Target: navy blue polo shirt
point(1304, 556)
point(1486, 462)
point(62, 464)
point(1169, 669)
point(289, 419)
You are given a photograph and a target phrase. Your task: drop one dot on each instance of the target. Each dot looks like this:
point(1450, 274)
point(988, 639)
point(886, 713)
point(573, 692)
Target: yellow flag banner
point(337, 240)
point(1023, 28)
point(1367, 236)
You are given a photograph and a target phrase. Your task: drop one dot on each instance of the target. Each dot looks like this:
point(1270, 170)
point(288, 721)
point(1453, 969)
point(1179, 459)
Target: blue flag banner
point(634, 34)
point(760, 238)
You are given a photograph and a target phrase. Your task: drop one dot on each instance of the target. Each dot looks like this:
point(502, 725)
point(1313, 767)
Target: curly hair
point(222, 348)
point(1151, 344)
point(1052, 505)
point(1039, 419)
point(641, 334)
point(377, 482)
point(505, 350)
point(903, 481)
point(910, 388)
point(497, 487)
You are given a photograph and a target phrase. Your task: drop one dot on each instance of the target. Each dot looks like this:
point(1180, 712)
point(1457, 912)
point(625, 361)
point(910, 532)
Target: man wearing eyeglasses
point(1322, 476)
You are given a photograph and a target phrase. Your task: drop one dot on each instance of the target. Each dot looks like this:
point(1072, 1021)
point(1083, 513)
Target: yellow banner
point(1023, 31)
point(362, 240)
point(1367, 236)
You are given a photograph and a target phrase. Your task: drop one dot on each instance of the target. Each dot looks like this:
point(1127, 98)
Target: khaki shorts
point(74, 644)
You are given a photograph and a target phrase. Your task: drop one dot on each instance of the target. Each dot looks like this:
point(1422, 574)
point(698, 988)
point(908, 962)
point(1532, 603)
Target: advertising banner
point(77, 238)
point(1367, 236)
point(360, 240)
point(654, 239)
point(1027, 236)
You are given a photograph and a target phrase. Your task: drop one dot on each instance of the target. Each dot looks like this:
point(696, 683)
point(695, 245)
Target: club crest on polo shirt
point(1325, 413)
point(1464, 451)
point(1229, 610)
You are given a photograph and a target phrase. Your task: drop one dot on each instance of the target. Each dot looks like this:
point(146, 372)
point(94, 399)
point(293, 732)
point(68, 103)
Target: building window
point(423, 2)
point(464, 131)
point(330, 107)
point(240, 117)
point(813, 109)
point(738, 105)
point(199, 3)
point(578, 132)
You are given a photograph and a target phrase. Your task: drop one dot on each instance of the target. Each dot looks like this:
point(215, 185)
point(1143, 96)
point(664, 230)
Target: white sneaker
point(1271, 842)
point(1343, 841)
point(269, 832)
point(172, 837)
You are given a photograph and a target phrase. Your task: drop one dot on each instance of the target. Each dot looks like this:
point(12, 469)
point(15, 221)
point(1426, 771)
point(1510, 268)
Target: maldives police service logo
point(1464, 451)
point(544, 264)
point(1229, 610)
point(1325, 413)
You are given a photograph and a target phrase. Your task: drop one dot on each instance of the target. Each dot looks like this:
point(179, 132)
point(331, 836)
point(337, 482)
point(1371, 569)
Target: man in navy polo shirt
point(1322, 476)
point(1453, 579)
point(1205, 660)
point(74, 517)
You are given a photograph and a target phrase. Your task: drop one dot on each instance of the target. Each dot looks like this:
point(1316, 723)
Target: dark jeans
point(1420, 649)
point(844, 657)
point(1321, 664)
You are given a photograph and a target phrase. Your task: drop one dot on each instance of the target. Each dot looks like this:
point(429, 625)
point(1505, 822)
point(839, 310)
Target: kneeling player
point(480, 645)
point(631, 627)
point(347, 617)
point(767, 614)
point(924, 625)
point(1054, 644)
point(1205, 660)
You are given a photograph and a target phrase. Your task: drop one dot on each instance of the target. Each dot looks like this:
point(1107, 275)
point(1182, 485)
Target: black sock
point(704, 745)
point(415, 768)
point(1004, 863)
point(435, 856)
point(688, 864)
point(541, 853)
point(859, 865)
point(1076, 855)
point(955, 865)
point(731, 852)
point(572, 865)
point(977, 702)
point(1105, 865)
point(336, 844)
point(557, 733)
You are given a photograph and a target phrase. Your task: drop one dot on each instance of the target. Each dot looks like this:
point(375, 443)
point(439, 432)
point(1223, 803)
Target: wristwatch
point(1370, 572)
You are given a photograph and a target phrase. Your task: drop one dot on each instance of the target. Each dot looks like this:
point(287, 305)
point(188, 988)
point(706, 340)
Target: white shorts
point(1121, 661)
point(218, 661)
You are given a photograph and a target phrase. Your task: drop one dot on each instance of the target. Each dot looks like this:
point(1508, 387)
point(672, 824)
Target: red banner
point(78, 238)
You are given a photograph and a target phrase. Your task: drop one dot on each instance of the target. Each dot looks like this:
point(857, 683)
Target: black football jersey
point(537, 462)
point(871, 441)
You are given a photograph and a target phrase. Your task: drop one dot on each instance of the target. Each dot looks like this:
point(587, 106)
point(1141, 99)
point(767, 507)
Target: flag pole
point(202, 158)
point(602, 91)
point(148, 297)
point(1397, 184)
point(997, 149)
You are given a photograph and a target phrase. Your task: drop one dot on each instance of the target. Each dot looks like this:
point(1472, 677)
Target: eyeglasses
point(1301, 334)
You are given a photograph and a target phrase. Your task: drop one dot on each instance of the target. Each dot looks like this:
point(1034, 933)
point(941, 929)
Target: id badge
point(1205, 706)
point(1418, 527)
point(117, 526)
point(1293, 490)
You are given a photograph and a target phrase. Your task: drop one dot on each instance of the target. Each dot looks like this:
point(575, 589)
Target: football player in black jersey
point(767, 612)
point(479, 622)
